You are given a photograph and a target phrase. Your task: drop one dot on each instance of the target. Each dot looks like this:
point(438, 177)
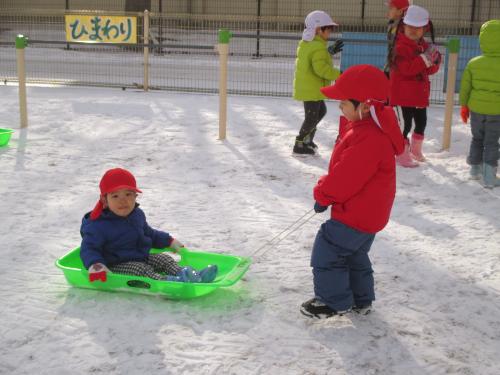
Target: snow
point(436, 264)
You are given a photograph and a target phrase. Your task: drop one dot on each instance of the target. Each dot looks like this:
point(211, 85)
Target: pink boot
point(416, 147)
point(405, 159)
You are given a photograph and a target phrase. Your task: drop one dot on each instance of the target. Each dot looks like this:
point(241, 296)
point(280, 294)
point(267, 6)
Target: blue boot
point(490, 179)
point(185, 275)
point(476, 170)
point(189, 275)
point(208, 273)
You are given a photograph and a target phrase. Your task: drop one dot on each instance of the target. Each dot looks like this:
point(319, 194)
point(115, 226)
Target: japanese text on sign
point(101, 29)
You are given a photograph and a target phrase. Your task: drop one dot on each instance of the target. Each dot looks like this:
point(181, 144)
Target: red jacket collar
point(421, 44)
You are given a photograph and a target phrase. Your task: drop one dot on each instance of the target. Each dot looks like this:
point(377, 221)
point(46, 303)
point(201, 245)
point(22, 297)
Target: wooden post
point(453, 49)
point(21, 43)
point(146, 50)
point(223, 49)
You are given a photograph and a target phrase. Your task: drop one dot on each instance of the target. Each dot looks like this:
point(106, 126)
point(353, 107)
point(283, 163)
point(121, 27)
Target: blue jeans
point(342, 271)
point(484, 144)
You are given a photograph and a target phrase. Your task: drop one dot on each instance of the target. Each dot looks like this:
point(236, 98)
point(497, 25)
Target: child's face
point(353, 113)
point(414, 33)
point(120, 202)
point(394, 13)
point(324, 34)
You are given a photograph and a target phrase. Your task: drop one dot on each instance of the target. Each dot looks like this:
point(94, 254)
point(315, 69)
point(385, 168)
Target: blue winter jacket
point(112, 239)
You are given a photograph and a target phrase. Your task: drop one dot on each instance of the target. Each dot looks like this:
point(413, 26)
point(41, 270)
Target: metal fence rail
point(182, 55)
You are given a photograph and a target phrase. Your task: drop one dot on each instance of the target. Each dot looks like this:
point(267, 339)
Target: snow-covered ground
point(436, 264)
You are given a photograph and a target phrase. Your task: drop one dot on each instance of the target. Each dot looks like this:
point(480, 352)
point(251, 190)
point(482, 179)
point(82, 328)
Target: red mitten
point(98, 271)
point(464, 113)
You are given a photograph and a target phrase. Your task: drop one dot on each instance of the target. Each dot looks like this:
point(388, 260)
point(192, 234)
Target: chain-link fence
point(183, 34)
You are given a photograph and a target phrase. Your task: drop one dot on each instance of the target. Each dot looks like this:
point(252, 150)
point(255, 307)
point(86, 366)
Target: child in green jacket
point(313, 70)
point(480, 97)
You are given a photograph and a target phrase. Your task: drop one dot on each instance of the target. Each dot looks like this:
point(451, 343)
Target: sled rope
point(296, 225)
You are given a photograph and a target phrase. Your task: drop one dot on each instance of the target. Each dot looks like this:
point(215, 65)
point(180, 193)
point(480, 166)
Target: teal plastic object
point(5, 136)
point(231, 269)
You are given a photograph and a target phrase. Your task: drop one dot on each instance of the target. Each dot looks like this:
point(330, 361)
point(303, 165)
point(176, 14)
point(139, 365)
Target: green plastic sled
point(5, 136)
point(231, 269)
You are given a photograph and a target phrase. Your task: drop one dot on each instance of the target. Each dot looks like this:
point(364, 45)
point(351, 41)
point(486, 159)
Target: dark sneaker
point(303, 148)
point(362, 309)
point(313, 145)
point(308, 139)
point(314, 308)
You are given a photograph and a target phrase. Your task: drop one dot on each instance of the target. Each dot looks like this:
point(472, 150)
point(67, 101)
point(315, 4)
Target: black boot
point(314, 308)
point(302, 148)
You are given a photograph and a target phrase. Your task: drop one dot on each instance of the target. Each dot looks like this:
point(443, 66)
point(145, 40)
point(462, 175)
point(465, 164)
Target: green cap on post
point(453, 45)
point(21, 41)
point(224, 36)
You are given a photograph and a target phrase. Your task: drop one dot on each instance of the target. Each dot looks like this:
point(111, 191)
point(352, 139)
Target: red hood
point(387, 121)
point(386, 118)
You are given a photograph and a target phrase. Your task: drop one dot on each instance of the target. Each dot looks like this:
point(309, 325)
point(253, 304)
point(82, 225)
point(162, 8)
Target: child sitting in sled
point(116, 237)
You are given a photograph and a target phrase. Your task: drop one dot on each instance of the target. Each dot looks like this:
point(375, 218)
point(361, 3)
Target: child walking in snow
point(396, 11)
point(360, 186)
point(480, 97)
point(313, 70)
point(412, 62)
point(117, 238)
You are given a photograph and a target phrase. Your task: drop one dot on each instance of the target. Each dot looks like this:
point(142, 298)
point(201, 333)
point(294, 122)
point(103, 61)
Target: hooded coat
point(409, 75)
point(111, 239)
point(313, 70)
point(361, 180)
point(480, 87)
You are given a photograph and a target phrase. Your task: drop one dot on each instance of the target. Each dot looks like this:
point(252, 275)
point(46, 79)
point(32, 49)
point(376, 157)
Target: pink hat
point(113, 180)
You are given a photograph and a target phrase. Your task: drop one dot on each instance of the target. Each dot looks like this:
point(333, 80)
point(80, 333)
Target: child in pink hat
point(117, 238)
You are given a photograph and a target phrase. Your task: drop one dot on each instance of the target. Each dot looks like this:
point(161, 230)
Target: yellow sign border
point(101, 29)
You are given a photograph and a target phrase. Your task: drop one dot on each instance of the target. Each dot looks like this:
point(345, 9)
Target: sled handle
point(232, 277)
point(138, 284)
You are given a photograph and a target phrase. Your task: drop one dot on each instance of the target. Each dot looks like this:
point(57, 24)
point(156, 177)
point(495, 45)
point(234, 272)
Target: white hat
point(416, 16)
point(315, 19)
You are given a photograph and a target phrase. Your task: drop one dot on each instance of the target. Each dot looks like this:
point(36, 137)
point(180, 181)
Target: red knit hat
point(113, 180)
point(399, 4)
point(361, 83)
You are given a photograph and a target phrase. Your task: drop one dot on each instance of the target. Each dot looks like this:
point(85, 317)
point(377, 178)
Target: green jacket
point(313, 70)
point(480, 87)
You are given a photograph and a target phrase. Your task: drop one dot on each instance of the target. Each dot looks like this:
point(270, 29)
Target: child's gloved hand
point(336, 47)
point(432, 54)
point(176, 245)
point(98, 271)
point(319, 208)
point(464, 113)
point(436, 57)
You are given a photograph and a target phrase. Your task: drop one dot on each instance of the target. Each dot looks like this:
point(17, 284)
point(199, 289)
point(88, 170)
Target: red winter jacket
point(410, 85)
point(361, 180)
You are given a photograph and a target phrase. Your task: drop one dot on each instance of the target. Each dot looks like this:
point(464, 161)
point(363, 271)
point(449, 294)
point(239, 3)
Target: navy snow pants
point(342, 271)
